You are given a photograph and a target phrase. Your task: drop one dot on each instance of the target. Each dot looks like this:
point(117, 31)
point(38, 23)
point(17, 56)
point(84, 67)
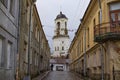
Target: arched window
point(62, 47)
point(55, 48)
point(65, 24)
point(58, 25)
point(58, 48)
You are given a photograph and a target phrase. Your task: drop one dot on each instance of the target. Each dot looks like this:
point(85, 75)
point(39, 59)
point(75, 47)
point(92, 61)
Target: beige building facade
point(95, 49)
point(34, 50)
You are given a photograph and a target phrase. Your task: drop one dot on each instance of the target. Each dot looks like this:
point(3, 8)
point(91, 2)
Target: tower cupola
point(61, 26)
point(61, 37)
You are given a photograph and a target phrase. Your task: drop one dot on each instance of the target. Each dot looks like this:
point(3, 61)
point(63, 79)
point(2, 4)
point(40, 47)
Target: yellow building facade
point(95, 49)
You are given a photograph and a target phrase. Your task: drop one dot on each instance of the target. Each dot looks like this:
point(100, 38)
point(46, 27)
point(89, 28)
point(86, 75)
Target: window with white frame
point(9, 51)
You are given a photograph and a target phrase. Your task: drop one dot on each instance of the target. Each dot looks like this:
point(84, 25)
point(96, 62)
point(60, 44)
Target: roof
point(61, 15)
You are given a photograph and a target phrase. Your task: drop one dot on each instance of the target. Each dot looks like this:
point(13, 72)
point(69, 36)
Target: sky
point(49, 9)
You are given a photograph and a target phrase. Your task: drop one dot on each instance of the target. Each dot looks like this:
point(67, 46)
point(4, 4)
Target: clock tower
point(61, 38)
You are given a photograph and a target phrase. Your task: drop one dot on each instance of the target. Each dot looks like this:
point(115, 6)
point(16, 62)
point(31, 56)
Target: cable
point(83, 10)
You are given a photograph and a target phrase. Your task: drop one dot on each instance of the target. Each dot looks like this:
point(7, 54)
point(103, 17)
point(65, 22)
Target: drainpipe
point(102, 56)
point(29, 45)
point(18, 37)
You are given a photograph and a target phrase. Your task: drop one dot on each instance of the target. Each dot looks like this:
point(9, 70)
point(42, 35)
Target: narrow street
point(59, 39)
point(61, 75)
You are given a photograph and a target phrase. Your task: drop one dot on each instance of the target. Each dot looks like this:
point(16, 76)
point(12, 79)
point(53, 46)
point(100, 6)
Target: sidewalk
point(40, 77)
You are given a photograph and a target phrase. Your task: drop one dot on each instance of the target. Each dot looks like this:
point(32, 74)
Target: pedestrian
point(52, 67)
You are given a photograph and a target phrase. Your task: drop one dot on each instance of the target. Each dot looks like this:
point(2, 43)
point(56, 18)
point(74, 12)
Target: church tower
point(61, 38)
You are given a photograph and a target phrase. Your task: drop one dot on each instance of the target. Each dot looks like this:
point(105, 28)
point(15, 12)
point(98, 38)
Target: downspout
point(18, 37)
point(29, 42)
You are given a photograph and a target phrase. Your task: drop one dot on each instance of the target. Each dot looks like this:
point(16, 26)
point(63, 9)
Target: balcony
point(107, 31)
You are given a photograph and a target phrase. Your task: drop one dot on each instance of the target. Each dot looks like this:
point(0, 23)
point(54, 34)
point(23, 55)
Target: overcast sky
point(49, 9)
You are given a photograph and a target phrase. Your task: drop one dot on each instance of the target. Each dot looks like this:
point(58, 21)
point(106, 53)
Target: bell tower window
point(58, 25)
point(65, 24)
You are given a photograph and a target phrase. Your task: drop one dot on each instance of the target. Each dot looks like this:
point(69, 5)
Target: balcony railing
point(107, 31)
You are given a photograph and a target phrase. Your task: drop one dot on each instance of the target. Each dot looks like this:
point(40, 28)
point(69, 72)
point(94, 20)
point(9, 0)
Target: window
point(26, 51)
point(98, 19)
point(58, 24)
point(115, 14)
point(82, 44)
point(62, 47)
point(12, 7)
point(65, 24)
point(119, 16)
point(1, 45)
point(36, 59)
point(88, 37)
point(5, 2)
point(115, 6)
point(58, 48)
point(9, 51)
point(31, 54)
point(78, 49)
point(94, 25)
point(55, 48)
point(94, 22)
point(28, 13)
point(38, 34)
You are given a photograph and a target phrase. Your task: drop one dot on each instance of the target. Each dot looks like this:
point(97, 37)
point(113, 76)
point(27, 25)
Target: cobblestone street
point(61, 75)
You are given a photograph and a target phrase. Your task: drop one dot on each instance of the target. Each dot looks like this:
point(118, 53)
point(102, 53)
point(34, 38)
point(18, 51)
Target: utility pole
point(102, 56)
